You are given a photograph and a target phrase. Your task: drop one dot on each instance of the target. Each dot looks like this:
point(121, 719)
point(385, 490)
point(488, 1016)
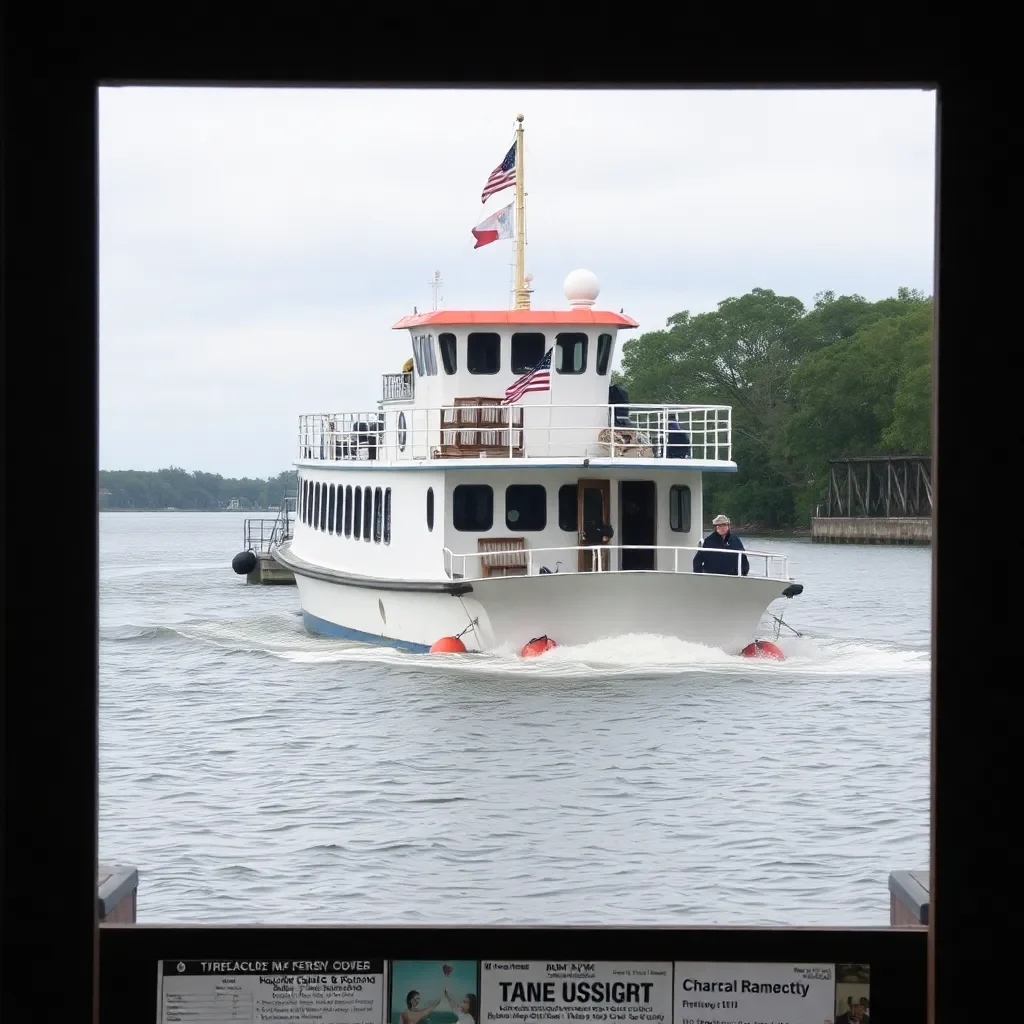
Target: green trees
point(177, 488)
point(847, 377)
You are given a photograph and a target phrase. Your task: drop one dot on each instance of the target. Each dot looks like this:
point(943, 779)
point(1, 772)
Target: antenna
point(436, 286)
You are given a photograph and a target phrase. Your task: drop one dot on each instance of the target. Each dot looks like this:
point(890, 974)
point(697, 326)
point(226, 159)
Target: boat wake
point(283, 637)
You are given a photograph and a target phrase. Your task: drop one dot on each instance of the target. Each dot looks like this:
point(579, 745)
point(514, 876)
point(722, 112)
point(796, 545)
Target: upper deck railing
point(398, 387)
point(475, 428)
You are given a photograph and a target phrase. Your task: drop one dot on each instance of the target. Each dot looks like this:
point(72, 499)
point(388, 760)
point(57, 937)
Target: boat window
point(527, 351)
point(330, 510)
point(679, 508)
point(568, 508)
point(304, 504)
point(387, 515)
point(604, 353)
point(430, 509)
point(316, 507)
point(417, 358)
point(431, 357)
point(323, 508)
point(473, 508)
point(483, 352)
point(571, 353)
point(378, 515)
point(448, 352)
point(339, 521)
point(367, 511)
point(348, 511)
point(526, 507)
point(357, 527)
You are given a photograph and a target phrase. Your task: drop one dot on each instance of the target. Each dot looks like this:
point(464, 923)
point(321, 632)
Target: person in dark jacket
point(714, 555)
point(678, 446)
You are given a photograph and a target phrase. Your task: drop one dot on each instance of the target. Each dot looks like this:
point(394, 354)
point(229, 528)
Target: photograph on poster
point(575, 991)
point(434, 992)
point(742, 993)
point(853, 993)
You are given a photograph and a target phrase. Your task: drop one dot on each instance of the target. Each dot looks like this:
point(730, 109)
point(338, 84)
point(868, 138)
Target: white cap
point(581, 288)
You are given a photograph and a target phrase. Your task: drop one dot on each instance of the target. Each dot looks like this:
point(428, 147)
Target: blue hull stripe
point(318, 625)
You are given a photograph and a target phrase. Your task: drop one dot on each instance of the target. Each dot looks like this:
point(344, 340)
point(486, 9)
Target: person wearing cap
point(712, 556)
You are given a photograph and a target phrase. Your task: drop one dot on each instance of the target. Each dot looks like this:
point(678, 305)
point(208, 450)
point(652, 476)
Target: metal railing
point(517, 431)
point(397, 387)
point(763, 564)
point(261, 535)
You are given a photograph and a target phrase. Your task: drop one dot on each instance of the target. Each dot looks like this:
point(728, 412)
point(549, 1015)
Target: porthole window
point(387, 515)
point(526, 507)
point(378, 515)
point(323, 509)
point(338, 520)
point(473, 508)
point(330, 510)
point(316, 507)
point(357, 514)
point(348, 511)
point(401, 432)
point(367, 512)
point(430, 509)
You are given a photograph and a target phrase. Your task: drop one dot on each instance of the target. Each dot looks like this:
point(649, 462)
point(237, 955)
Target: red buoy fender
point(448, 645)
point(763, 649)
point(538, 645)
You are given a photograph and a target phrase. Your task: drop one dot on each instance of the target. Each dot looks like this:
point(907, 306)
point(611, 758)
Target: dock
point(878, 499)
point(117, 888)
point(256, 560)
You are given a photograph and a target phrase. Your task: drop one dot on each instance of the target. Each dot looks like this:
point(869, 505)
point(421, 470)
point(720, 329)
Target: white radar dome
point(581, 288)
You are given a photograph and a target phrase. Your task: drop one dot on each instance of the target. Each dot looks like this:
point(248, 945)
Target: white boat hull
point(571, 608)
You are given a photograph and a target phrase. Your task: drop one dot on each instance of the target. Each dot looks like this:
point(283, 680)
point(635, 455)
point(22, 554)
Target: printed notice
point(513, 992)
point(271, 991)
point(714, 993)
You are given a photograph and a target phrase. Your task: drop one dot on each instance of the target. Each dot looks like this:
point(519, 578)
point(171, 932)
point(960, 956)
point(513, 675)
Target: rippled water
point(255, 773)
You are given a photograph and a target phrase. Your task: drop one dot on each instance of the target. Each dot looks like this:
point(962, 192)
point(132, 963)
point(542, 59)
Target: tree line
point(178, 488)
point(844, 378)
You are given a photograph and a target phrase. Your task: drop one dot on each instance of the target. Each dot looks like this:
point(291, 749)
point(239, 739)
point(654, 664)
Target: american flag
point(502, 176)
point(538, 379)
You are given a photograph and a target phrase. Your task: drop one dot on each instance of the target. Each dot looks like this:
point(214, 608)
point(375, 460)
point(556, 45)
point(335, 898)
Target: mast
point(522, 292)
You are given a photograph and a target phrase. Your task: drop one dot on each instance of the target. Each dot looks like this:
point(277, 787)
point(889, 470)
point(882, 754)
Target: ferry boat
point(501, 489)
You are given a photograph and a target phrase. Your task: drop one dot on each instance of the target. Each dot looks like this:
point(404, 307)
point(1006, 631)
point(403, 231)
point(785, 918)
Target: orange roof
point(542, 317)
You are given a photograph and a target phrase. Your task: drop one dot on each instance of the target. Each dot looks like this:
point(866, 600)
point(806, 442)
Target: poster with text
point(602, 992)
point(333, 991)
point(435, 992)
point(717, 993)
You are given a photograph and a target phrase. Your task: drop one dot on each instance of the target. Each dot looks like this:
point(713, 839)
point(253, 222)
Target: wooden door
point(594, 508)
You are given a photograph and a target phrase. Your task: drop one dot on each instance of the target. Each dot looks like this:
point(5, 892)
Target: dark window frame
point(430, 510)
point(524, 367)
point(357, 514)
point(316, 507)
point(323, 509)
point(469, 352)
point(560, 352)
point(348, 510)
point(604, 354)
point(455, 508)
point(449, 352)
point(330, 510)
point(675, 496)
point(378, 514)
point(387, 515)
point(575, 488)
point(367, 512)
point(517, 524)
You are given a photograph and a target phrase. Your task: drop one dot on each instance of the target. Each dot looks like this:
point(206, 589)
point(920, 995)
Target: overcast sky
point(257, 245)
